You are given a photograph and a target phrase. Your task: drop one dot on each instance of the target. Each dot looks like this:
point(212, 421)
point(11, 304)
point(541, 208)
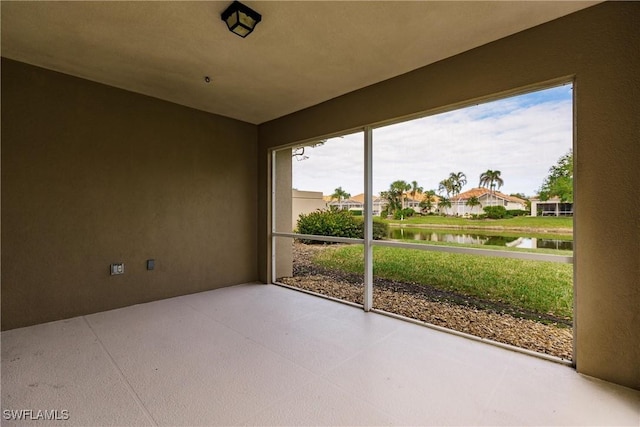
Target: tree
point(560, 180)
point(490, 178)
point(298, 152)
point(444, 203)
point(473, 201)
point(339, 194)
point(457, 180)
point(415, 189)
point(395, 196)
point(427, 201)
point(445, 186)
point(398, 188)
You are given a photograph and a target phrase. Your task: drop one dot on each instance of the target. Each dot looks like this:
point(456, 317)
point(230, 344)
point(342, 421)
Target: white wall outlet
point(117, 268)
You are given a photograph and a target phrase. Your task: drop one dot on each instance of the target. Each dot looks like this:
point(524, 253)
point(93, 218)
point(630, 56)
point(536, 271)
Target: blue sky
point(521, 136)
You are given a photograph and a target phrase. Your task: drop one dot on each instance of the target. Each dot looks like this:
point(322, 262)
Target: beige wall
point(304, 202)
point(284, 250)
point(93, 175)
point(599, 48)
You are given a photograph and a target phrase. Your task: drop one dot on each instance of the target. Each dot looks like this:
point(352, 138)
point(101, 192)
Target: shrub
point(380, 229)
point(518, 212)
point(403, 213)
point(478, 216)
point(337, 223)
point(496, 212)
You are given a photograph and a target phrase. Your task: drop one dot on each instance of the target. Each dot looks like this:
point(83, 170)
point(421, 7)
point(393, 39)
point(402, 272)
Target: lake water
point(479, 239)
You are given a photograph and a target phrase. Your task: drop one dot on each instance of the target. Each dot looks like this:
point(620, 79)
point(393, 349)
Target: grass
point(540, 287)
point(538, 222)
point(490, 247)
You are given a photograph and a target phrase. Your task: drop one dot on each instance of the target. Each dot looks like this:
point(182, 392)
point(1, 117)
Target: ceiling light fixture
point(241, 19)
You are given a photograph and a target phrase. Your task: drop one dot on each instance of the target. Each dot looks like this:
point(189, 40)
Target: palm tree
point(415, 189)
point(427, 201)
point(458, 180)
point(473, 201)
point(395, 195)
point(444, 203)
point(339, 194)
point(489, 179)
point(445, 186)
point(399, 188)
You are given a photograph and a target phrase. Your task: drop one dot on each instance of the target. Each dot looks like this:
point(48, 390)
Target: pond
point(480, 238)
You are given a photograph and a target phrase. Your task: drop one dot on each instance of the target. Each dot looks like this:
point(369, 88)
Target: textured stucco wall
point(598, 48)
point(93, 175)
point(304, 202)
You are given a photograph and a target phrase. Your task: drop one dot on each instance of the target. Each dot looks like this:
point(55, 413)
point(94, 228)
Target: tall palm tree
point(399, 188)
point(489, 179)
point(458, 180)
point(339, 194)
point(395, 195)
point(415, 189)
point(445, 186)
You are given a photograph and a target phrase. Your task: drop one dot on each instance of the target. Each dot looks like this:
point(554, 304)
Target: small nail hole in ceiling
point(207, 79)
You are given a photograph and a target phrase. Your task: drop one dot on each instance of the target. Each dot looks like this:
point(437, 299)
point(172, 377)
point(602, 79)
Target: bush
point(518, 212)
point(496, 212)
point(380, 229)
point(478, 216)
point(403, 213)
point(337, 223)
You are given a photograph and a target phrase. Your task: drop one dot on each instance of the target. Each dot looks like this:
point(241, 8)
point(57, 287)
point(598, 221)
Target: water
point(479, 239)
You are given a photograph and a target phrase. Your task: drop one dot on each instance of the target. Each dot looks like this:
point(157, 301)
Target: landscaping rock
point(458, 312)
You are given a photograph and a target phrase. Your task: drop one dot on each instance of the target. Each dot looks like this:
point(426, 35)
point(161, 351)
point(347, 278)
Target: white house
point(551, 207)
point(459, 203)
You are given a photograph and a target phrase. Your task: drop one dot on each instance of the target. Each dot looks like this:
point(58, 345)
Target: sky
point(521, 136)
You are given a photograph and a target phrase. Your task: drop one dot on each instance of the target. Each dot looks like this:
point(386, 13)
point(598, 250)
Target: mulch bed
point(498, 322)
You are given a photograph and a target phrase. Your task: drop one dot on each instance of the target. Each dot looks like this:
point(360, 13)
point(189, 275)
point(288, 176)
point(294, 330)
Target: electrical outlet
point(151, 264)
point(117, 268)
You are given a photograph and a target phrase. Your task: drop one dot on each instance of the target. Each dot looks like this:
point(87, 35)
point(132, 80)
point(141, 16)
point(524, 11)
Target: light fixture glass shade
point(240, 19)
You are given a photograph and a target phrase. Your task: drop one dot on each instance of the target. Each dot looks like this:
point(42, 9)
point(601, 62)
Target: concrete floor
point(266, 355)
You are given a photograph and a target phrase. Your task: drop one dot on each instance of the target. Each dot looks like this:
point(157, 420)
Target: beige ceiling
point(302, 53)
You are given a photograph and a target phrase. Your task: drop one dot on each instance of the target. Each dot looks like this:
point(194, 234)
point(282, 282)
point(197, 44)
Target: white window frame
point(368, 241)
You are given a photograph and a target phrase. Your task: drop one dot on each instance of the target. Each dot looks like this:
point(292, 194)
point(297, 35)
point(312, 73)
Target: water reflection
point(479, 239)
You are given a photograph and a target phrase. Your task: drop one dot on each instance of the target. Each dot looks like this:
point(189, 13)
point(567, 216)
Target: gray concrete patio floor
point(266, 355)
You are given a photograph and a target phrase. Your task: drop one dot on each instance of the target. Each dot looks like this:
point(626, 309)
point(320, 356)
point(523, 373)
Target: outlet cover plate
point(117, 268)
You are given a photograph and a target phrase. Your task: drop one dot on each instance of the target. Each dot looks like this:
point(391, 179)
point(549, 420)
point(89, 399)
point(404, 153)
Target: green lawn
point(541, 287)
point(539, 222)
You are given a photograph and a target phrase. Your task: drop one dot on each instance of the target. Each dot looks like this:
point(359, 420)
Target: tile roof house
point(486, 197)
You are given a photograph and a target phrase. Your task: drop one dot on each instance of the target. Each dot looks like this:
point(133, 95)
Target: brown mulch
point(498, 322)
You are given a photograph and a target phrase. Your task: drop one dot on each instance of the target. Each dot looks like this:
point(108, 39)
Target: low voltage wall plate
point(117, 268)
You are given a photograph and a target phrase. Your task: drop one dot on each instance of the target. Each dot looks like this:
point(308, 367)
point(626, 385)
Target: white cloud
point(520, 136)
